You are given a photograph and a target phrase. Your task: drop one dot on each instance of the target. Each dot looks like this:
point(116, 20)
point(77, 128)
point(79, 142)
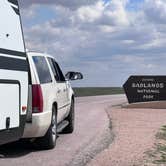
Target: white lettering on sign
point(148, 97)
point(148, 91)
point(148, 85)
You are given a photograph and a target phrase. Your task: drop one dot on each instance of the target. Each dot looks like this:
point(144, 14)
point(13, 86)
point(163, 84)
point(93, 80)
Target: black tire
point(49, 140)
point(71, 119)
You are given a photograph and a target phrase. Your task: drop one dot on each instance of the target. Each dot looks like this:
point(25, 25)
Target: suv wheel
point(49, 140)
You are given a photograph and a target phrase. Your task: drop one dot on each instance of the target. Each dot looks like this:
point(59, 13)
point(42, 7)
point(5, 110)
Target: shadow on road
point(16, 149)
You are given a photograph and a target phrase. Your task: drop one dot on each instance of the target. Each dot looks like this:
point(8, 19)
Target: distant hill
point(97, 91)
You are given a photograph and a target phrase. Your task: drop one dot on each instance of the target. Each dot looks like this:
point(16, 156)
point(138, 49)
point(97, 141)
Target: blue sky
point(42, 14)
point(106, 40)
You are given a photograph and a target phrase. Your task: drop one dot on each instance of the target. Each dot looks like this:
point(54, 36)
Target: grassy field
point(97, 91)
point(157, 156)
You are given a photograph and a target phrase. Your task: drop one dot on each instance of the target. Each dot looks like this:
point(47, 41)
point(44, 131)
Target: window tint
point(42, 69)
point(53, 69)
point(61, 76)
point(56, 70)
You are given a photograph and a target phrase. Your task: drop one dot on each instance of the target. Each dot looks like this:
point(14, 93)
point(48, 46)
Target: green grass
point(97, 91)
point(157, 156)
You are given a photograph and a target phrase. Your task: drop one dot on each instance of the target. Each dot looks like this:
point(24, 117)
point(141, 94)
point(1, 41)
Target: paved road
point(92, 134)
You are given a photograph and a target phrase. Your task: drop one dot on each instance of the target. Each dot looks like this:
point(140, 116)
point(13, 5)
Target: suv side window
point(42, 69)
point(56, 70)
point(53, 69)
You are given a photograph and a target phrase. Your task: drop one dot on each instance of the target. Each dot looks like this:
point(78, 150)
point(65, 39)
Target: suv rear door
point(60, 89)
point(13, 73)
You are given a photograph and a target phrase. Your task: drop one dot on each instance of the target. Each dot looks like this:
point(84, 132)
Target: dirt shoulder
point(135, 133)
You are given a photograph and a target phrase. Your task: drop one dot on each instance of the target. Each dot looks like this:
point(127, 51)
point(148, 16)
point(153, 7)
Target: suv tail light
point(37, 99)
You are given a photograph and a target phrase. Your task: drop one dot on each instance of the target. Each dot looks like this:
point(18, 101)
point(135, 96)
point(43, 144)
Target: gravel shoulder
point(134, 131)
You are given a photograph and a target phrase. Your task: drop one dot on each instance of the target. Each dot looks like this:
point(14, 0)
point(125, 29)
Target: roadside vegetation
point(97, 91)
point(157, 156)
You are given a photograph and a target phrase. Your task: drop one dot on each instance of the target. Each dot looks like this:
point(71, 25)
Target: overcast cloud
point(107, 40)
point(72, 4)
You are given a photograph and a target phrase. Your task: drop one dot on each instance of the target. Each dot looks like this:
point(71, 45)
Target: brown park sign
point(145, 88)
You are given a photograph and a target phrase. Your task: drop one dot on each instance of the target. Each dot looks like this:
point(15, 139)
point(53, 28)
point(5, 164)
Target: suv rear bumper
point(39, 126)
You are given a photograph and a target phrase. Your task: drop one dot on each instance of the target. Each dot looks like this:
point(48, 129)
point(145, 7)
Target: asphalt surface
point(92, 134)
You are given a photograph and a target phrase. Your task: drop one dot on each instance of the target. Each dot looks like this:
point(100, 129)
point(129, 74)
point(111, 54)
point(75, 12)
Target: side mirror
point(74, 76)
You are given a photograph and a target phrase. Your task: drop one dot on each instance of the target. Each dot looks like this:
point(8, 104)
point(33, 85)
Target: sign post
point(145, 88)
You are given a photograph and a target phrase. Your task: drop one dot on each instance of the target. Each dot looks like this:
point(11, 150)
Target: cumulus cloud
point(91, 13)
point(155, 11)
point(112, 13)
point(107, 41)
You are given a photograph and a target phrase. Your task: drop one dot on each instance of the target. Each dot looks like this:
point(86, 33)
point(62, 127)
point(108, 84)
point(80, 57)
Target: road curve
point(91, 135)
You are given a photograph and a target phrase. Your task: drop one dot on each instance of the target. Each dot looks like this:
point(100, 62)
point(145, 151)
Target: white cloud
point(117, 12)
point(106, 41)
point(155, 11)
point(91, 13)
point(112, 13)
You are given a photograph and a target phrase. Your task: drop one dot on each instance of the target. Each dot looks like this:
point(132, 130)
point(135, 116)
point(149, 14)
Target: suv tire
point(49, 140)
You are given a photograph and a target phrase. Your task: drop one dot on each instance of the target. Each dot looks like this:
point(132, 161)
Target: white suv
point(51, 100)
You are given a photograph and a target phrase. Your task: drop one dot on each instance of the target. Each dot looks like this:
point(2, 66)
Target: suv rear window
point(42, 69)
